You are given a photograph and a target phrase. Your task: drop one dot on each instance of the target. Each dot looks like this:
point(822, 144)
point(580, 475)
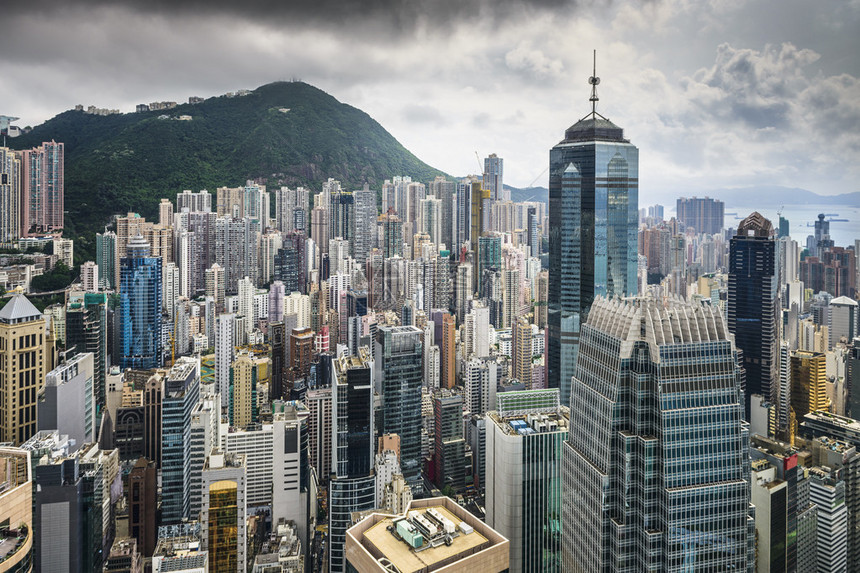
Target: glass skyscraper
point(593, 232)
point(656, 465)
point(397, 377)
point(140, 307)
point(753, 306)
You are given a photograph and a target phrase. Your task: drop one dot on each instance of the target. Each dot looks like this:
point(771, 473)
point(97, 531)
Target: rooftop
point(594, 127)
point(18, 310)
point(468, 543)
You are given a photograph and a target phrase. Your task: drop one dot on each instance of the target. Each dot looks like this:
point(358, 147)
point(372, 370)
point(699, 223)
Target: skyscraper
point(656, 465)
point(593, 226)
point(43, 187)
point(524, 438)
point(140, 307)
point(493, 176)
point(25, 358)
point(181, 392)
point(353, 484)
point(753, 305)
point(10, 196)
point(398, 375)
point(705, 215)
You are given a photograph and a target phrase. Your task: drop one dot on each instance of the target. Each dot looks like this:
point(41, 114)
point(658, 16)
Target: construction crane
point(480, 165)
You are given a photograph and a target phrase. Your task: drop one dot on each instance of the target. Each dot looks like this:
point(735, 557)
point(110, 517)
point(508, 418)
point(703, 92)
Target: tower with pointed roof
point(23, 365)
point(593, 241)
point(753, 307)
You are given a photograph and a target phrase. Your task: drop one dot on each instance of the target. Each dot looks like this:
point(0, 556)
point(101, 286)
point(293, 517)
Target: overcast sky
point(724, 93)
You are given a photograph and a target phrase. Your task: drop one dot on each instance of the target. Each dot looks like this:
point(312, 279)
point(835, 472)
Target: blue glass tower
point(140, 307)
point(593, 240)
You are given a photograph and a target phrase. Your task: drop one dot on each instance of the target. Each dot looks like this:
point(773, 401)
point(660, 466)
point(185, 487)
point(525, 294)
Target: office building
point(397, 378)
point(434, 534)
point(26, 355)
point(843, 321)
point(449, 442)
point(59, 516)
point(808, 372)
point(224, 511)
point(142, 505)
point(180, 551)
point(86, 331)
point(353, 483)
point(661, 382)
point(523, 488)
point(593, 232)
point(753, 305)
point(181, 392)
point(225, 351)
point(703, 214)
point(66, 401)
point(124, 557)
point(140, 307)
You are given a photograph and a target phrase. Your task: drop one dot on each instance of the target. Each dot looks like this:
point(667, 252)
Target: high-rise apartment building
point(593, 232)
point(43, 188)
point(753, 305)
point(703, 214)
point(10, 196)
point(521, 351)
point(656, 465)
point(140, 307)
point(493, 176)
point(26, 355)
point(524, 437)
point(194, 202)
point(66, 402)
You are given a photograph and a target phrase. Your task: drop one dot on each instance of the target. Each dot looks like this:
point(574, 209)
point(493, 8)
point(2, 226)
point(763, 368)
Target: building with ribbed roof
point(656, 465)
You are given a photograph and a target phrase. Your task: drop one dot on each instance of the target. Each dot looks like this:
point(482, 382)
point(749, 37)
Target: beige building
point(26, 355)
point(16, 510)
point(249, 374)
point(434, 535)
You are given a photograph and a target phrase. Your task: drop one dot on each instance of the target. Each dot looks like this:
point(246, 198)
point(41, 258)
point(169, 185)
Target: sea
point(844, 220)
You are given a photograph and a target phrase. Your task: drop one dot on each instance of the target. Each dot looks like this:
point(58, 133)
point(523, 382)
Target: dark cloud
point(348, 15)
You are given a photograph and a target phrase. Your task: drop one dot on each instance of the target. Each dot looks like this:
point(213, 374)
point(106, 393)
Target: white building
point(90, 276)
point(66, 402)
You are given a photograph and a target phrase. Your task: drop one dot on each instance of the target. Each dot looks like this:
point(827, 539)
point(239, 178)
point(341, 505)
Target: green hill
point(126, 162)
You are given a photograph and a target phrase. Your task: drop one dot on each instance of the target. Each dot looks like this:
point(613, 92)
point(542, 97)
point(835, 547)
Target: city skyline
point(738, 107)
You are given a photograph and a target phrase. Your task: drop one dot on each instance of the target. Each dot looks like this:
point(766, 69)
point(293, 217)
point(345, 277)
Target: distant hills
point(288, 133)
point(775, 195)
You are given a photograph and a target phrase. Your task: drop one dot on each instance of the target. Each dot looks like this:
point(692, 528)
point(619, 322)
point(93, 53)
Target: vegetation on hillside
point(285, 133)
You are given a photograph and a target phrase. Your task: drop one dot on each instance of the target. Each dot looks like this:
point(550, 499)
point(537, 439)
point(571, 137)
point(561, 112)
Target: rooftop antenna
point(594, 81)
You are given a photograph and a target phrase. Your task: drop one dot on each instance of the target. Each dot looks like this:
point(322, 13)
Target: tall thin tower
point(593, 241)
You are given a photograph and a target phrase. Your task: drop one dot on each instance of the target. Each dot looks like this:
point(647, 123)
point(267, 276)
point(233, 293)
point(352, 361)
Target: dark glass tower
point(753, 305)
point(353, 483)
point(593, 240)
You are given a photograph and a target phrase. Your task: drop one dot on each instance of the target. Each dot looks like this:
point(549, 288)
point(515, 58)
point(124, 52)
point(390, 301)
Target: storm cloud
point(716, 94)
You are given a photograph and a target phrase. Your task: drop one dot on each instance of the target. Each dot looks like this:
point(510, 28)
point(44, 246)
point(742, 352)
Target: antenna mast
point(594, 81)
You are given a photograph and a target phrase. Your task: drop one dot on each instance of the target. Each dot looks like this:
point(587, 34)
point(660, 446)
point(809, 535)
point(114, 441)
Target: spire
point(594, 81)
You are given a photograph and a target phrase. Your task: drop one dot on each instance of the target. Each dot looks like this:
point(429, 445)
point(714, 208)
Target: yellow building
point(808, 383)
point(249, 374)
point(16, 511)
point(224, 513)
point(26, 355)
point(521, 352)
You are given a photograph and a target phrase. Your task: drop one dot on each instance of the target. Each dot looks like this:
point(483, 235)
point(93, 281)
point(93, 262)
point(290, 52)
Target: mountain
point(518, 195)
point(286, 133)
point(778, 195)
